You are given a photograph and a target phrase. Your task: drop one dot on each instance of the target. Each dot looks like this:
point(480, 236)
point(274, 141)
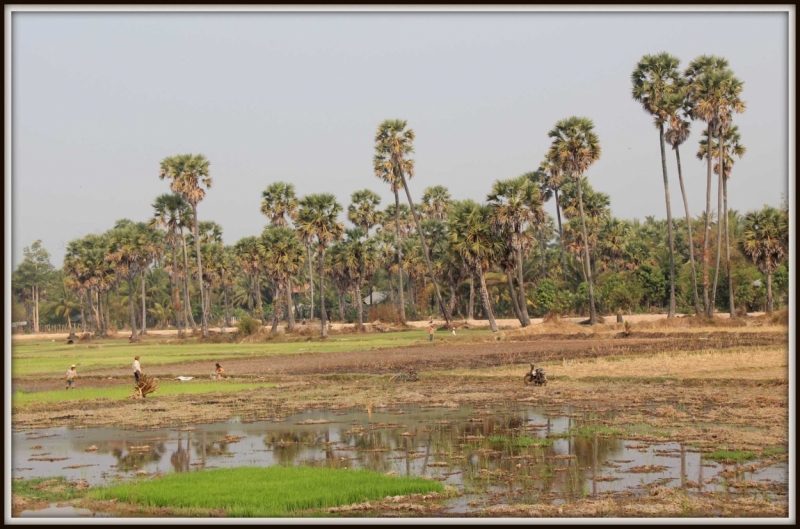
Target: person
point(71, 376)
point(218, 372)
point(430, 332)
point(453, 330)
point(137, 369)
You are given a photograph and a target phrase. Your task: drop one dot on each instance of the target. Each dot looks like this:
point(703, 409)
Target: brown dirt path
point(435, 357)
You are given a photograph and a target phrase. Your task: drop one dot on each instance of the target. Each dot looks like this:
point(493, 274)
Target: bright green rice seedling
point(266, 492)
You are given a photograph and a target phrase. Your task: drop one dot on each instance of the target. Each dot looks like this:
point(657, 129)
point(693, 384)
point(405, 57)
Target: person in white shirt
point(137, 369)
point(71, 376)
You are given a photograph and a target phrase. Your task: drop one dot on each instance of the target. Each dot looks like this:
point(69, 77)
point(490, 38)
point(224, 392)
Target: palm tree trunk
point(720, 222)
point(425, 252)
point(259, 302)
point(107, 306)
point(561, 236)
point(689, 229)
point(706, 251)
point(322, 314)
point(487, 308)
point(399, 257)
point(176, 299)
point(769, 293)
point(276, 308)
point(203, 315)
point(728, 247)
point(587, 264)
point(523, 303)
point(471, 309)
point(289, 306)
point(36, 308)
point(512, 292)
point(339, 296)
point(227, 312)
point(187, 313)
point(103, 320)
point(83, 315)
point(93, 310)
point(671, 311)
point(310, 282)
point(144, 304)
point(134, 335)
point(542, 249)
point(360, 306)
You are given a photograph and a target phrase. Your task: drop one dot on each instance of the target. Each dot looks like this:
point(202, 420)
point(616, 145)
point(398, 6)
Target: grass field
point(266, 492)
point(165, 388)
point(36, 357)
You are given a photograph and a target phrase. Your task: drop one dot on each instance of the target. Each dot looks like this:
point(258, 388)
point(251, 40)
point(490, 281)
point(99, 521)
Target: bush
point(384, 312)
point(248, 326)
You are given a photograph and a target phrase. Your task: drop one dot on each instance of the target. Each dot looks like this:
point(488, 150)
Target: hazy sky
point(99, 99)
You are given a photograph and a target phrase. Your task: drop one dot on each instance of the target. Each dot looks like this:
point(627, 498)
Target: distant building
point(377, 297)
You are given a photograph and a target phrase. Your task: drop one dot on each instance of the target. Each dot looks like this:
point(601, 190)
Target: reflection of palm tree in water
point(137, 459)
point(294, 441)
point(180, 458)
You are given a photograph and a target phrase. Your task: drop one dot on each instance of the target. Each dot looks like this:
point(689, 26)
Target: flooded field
point(494, 455)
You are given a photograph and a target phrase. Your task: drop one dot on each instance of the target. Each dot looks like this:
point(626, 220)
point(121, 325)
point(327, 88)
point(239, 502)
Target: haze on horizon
point(99, 99)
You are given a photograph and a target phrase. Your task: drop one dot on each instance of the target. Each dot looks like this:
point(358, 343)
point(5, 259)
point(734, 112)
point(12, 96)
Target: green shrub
point(248, 326)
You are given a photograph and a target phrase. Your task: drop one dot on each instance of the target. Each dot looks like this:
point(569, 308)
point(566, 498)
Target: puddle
point(493, 456)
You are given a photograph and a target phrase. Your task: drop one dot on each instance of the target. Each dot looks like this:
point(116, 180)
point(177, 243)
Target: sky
point(99, 99)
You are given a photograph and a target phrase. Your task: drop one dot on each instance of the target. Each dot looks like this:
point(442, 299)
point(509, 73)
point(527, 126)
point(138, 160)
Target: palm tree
point(703, 77)
point(317, 219)
point(550, 174)
point(471, 236)
point(731, 142)
point(86, 264)
point(575, 148)
point(764, 243)
point(677, 107)
point(354, 260)
point(656, 78)
point(363, 212)
point(127, 252)
point(515, 203)
point(279, 202)
point(393, 144)
point(168, 210)
point(63, 302)
point(282, 253)
point(187, 173)
point(436, 202)
point(250, 259)
point(153, 246)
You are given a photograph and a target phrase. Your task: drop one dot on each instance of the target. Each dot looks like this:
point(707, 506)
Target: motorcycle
point(535, 376)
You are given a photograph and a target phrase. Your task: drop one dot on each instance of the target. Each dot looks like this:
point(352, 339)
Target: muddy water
point(515, 455)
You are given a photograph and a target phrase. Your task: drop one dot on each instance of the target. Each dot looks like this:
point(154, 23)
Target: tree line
point(436, 257)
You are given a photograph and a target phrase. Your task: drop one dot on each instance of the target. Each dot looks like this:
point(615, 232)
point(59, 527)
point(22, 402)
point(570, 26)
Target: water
point(477, 450)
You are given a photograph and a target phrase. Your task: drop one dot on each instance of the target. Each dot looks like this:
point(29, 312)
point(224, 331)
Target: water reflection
point(507, 455)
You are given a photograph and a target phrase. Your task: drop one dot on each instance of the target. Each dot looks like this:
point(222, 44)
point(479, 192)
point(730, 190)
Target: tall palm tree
point(279, 202)
point(731, 142)
point(63, 302)
point(251, 261)
point(764, 243)
point(703, 77)
point(168, 210)
point(153, 246)
point(363, 209)
point(516, 203)
point(655, 78)
point(86, 264)
point(436, 202)
point(678, 109)
point(188, 172)
point(393, 145)
point(550, 174)
point(471, 236)
point(283, 255)
point(355, 258)
point(575, 148)
point(317, 219)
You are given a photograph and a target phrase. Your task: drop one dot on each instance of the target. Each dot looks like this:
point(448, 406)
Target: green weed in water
point(730, 455)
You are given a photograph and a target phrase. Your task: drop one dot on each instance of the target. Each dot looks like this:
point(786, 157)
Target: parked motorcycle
point(535, 376)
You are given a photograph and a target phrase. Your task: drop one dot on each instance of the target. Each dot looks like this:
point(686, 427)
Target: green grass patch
point(46, 489)
point(730, 455)
point(265, 492)
point(20, 398)
point(519, 441)
point(592, 429)
point(773, 451)
point(34, 357)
